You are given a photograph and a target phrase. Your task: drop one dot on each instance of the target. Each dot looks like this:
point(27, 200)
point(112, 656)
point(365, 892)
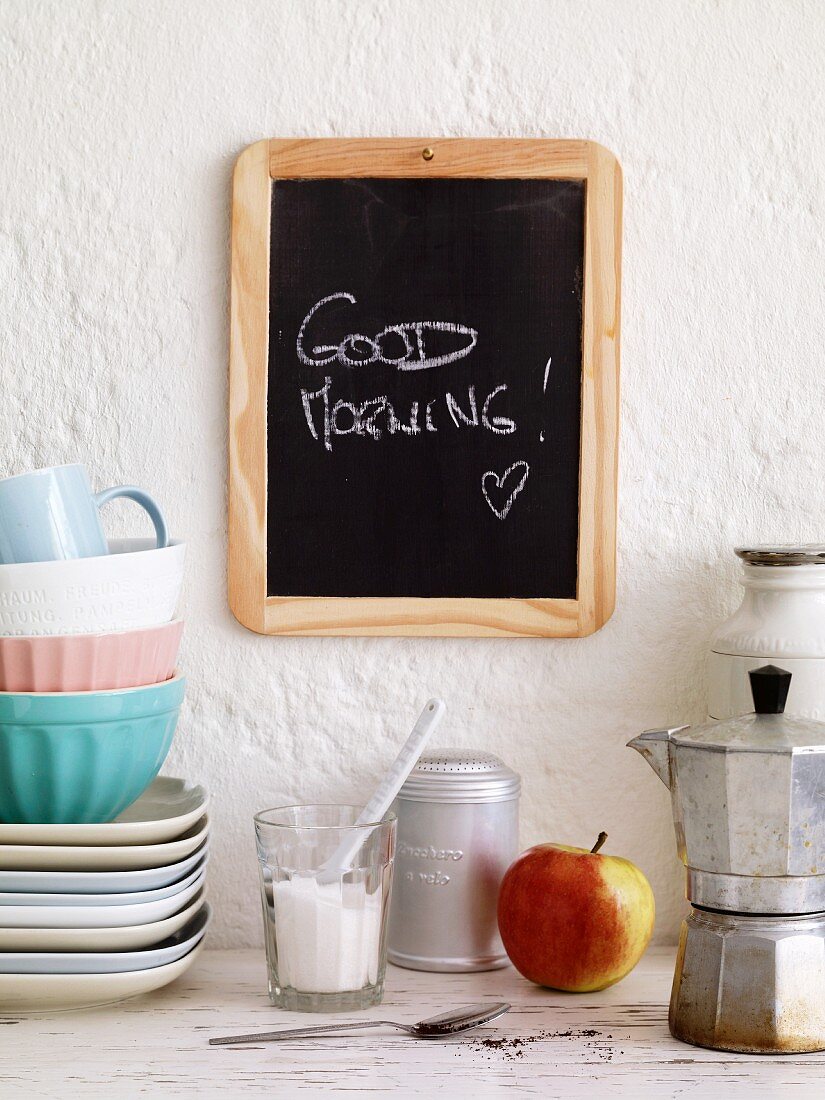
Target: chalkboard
point(424, 387)
point(427, 341)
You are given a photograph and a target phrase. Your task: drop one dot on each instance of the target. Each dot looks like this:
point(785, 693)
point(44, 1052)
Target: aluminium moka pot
point(748, 798)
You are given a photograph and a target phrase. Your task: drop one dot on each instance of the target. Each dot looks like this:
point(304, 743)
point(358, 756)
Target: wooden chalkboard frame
point(335, 158)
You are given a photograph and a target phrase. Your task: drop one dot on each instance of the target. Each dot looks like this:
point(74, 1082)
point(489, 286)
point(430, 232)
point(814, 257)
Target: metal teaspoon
point(449, 1023)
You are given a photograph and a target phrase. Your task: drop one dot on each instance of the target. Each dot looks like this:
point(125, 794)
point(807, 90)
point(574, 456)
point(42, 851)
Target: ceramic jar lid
point(805, 553)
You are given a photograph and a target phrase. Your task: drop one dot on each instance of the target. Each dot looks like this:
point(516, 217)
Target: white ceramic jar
point(780, 621)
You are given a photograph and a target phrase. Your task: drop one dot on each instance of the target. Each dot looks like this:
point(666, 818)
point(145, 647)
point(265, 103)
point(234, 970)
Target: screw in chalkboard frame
point(427, 153)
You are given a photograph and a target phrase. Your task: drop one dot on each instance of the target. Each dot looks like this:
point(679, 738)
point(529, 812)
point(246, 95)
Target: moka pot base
point(750, 984)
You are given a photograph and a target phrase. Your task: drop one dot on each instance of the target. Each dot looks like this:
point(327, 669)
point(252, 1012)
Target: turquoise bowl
point(82, 756)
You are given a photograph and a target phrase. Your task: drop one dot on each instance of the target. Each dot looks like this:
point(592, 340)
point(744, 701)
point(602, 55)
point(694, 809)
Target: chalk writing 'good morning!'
point(378, 415)
point(402, 345)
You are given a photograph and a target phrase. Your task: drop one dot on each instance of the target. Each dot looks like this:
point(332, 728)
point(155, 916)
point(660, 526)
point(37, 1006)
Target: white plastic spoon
point(341, 859)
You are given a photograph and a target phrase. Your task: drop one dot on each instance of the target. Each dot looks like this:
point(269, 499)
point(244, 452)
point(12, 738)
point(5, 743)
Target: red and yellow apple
point(573, 918)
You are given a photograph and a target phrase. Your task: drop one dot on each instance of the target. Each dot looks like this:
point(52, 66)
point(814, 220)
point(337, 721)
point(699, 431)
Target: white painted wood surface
point(614, 1043)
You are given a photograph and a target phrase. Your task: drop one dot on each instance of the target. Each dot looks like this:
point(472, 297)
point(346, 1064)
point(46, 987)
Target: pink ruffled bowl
point(90, 662)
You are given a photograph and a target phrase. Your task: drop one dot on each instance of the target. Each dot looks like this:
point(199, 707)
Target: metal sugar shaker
point(457, 835)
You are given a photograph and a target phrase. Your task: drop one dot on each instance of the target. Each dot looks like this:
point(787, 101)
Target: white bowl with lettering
point(135, 585)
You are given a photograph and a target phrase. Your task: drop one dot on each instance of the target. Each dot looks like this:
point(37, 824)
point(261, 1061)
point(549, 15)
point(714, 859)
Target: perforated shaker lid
point(460, 775)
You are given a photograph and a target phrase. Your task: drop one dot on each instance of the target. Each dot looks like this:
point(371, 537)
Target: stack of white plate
point(93, 913)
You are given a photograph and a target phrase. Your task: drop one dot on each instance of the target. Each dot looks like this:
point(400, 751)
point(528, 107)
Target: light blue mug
point(52, 514)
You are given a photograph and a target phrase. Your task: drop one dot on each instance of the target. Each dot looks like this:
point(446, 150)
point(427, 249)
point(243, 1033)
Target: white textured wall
point(120, 123)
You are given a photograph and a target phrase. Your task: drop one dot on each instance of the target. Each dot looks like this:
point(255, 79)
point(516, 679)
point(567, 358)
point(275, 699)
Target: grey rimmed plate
point(97, 916)
point(57, 992)
point(130, 937)
point(110, 962)
point(139, 897)
point(99, 882)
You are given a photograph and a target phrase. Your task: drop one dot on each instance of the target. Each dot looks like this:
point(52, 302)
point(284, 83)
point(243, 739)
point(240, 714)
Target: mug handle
point(139, 496)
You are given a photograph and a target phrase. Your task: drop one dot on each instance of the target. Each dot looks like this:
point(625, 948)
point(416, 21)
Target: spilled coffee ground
point(511, 1049)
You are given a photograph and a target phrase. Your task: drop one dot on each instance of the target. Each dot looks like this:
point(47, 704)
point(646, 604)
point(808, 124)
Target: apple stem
point(598, 844)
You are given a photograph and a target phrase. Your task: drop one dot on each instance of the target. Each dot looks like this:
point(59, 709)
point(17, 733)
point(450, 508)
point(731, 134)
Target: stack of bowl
point(89, 696)
point(89, 703)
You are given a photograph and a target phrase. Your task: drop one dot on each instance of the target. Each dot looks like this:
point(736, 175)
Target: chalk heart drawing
point(506, 488)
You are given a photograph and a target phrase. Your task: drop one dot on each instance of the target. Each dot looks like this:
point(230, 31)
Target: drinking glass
point(325, 933)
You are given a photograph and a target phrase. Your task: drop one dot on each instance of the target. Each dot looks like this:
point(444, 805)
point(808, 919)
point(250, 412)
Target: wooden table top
point(614, 1043)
